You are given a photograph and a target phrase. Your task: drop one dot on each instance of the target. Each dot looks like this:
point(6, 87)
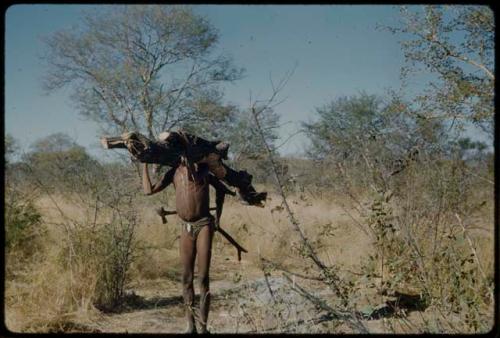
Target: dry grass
point(45, 296)
point(42, 298)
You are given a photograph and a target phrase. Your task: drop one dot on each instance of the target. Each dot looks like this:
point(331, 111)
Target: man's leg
point(204, 248)
point(188, 255)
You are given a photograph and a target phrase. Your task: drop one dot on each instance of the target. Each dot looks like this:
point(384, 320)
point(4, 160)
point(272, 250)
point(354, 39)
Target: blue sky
point(336, 48)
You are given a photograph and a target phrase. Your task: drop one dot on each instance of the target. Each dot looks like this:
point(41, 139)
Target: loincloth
point(195, 227)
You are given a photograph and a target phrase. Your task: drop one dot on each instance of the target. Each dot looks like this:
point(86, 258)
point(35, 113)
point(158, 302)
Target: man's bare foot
point(204, 331)
point(190, 329)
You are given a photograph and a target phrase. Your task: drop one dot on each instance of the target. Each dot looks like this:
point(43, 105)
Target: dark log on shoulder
point(168, 149)
point(243, 181)
point(172, 146)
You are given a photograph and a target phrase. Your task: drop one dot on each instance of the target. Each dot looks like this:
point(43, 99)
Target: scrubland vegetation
point(384, 226)
point(80, 239)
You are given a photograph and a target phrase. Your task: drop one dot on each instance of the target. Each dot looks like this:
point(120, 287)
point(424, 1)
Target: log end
point(222, 148)
point(164, 136)
point(127, 135)
point(104, 142)
point(113, 142)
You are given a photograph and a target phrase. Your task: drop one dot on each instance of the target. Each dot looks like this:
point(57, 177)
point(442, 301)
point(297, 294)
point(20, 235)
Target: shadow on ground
point(404, 303)
point(133, 302)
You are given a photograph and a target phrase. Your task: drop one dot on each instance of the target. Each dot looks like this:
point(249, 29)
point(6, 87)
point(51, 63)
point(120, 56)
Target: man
point(198, 225)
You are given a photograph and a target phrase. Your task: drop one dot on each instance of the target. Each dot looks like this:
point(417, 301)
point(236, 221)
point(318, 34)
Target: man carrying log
point(172, 148)
point(198, 226)
point(195, 163)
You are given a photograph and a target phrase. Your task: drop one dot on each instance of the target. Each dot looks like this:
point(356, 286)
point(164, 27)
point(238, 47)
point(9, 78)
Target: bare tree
point(146, 68)
point(328, 274)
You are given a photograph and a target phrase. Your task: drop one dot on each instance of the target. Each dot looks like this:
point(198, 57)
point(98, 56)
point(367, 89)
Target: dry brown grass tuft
point(46, 296)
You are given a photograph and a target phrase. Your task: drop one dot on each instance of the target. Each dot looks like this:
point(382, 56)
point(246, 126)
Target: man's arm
point(220, 192)
point(160, 185)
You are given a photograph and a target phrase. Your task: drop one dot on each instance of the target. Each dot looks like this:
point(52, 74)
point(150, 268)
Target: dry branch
point(330, 278)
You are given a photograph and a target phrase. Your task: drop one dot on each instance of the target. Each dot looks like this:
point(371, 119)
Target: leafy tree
point(146, 68)
point(247, 149)
point(348, 126)
point(341, 122)
point(57, 142)
point(58, 162)
point(21, 219)
point(456, 45)
point(370, 139)
point(11, 148)
point(245, 135)
point(211, 118)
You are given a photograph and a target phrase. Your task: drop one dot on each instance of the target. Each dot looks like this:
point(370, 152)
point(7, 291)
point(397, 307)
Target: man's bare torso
point(192, 196)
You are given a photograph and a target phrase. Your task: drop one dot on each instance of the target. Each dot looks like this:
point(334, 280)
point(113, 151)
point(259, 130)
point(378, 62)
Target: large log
point(173, 146)
point(168, 149)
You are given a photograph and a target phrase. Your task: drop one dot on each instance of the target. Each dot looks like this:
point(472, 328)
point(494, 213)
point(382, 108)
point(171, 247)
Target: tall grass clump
point(82, 263)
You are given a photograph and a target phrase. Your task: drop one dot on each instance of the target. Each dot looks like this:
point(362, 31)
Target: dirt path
point(250, 304)
point(155, 306)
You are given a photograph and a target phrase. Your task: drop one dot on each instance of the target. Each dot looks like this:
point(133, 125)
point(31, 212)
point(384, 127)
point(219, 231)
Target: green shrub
point(116, 249)
point(22, 222)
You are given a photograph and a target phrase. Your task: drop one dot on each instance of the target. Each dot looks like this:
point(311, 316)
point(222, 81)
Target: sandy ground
point(250, 305)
